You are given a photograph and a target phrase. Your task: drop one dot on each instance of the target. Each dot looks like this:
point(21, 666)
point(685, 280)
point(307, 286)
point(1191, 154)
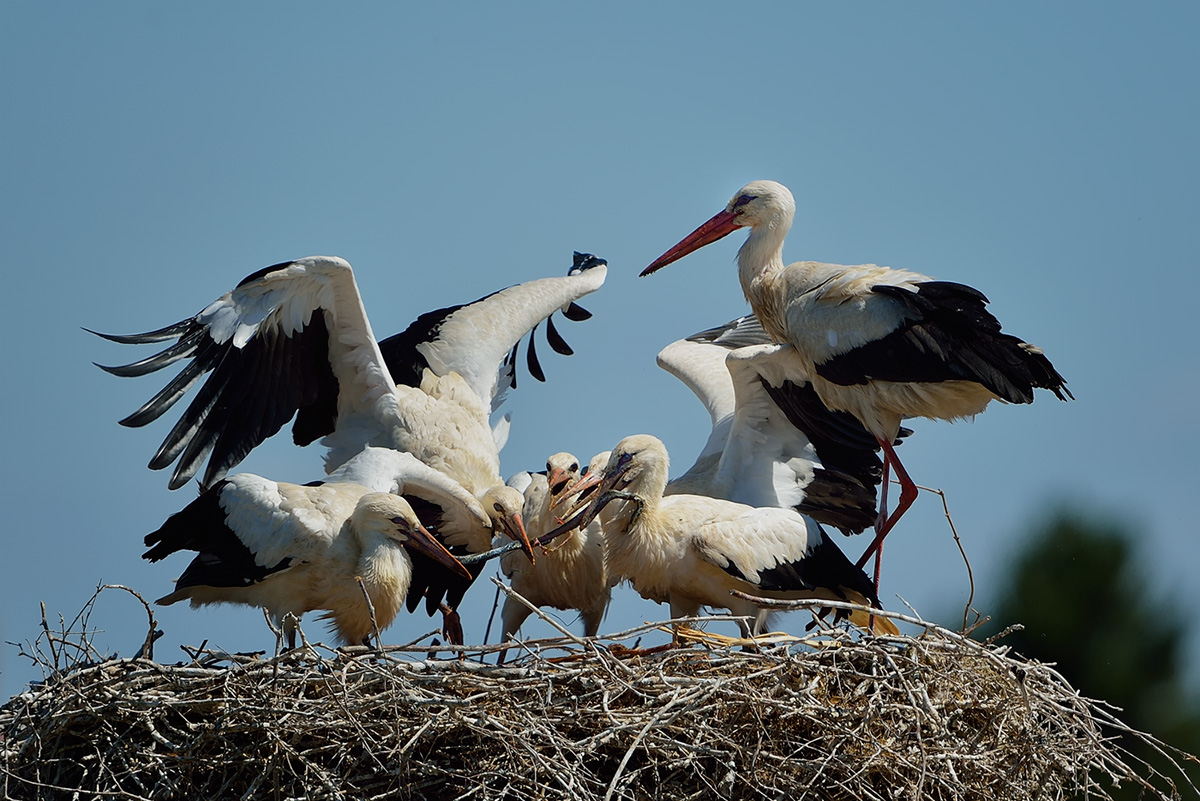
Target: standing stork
point(773, 443)
point(294, 549)
point(880, 343)
point(294, 339)
point(691, 550)
point(570, 573)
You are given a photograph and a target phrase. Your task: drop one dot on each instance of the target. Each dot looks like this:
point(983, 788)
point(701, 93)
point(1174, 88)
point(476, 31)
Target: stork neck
point(760, 267)
point(624, 515)
point(386, 572)
point(761, 255)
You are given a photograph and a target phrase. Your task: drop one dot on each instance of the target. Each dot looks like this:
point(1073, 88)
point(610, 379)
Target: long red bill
point(719, 225)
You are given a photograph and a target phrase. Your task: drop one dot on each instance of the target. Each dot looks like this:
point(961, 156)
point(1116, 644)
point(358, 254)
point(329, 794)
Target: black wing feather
point(400, 354)
point(948, 335)
point(823, 567)
point(531, 359)
point(158, 335)
point(222, 559)
point(250, 393)
point(555, 339)
point(576, 313)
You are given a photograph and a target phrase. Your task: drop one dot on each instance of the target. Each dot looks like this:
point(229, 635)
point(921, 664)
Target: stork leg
point(883, 494)
point(879, 523)
point(289, 630)
point(908, 494)
point(451, 624)
point(591, 621)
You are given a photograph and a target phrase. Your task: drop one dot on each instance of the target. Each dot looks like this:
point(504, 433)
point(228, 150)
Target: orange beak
point(517, 532)
point(420, 540)
point(581, 488)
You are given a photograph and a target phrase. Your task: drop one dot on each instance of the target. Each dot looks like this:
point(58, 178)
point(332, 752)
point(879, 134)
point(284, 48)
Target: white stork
point(569, 574)
point(294, 339)
point(880, 343)
point(298, 548)
point(773, 442)
point(691, 550)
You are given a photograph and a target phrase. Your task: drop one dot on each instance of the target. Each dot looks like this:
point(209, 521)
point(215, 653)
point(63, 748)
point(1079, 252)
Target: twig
point(970, 574)
point(371, 611)
point(147, 649)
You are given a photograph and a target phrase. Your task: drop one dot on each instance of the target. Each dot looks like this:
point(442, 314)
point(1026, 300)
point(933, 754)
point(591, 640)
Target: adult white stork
point(298, 548)
point(294, 339)
point(691, 550)
point(773, 442)
point(880, 343)
point(569, 574)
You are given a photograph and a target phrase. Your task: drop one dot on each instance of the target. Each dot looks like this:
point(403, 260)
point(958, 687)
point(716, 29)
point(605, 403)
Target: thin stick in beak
point(545, 539)
point(580, 488)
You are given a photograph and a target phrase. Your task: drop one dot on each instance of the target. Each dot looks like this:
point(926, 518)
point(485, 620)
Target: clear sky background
point(154, 154)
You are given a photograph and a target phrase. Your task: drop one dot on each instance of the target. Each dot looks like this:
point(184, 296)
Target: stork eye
point(497, 507)
point(743, 200)
point(574, 467)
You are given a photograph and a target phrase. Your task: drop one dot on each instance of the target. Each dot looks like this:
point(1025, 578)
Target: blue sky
point(156, 154)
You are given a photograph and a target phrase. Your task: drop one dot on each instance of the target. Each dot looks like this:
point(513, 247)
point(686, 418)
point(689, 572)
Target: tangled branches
point(829, 716)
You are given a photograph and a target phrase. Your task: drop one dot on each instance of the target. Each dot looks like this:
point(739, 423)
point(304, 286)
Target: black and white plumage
point(880, 343)
point(297, 548)
point(294, 339)
point(455, 338)
point(773, 442)
point(691, 550)
point(568, 574)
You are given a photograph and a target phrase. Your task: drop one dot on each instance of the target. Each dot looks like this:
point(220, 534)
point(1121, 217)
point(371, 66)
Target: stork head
point(503, 505)
point(636, 471)
point(562, 470)
point(391, 516)
point(758, 203)
point(584, 486)
point(638, 464)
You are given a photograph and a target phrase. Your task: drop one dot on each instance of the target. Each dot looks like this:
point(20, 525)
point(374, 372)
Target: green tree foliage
point(1086, 605)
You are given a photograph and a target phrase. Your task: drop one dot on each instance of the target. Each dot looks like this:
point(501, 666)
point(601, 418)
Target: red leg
point(883, 492)
point(908, 494)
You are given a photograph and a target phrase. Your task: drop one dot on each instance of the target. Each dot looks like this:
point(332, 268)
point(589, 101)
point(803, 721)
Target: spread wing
point(290, 340)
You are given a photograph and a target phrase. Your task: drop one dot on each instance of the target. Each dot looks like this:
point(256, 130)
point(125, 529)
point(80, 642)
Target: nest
point(830, 715)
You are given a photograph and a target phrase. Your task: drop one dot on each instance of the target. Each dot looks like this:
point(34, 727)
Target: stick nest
point(832, 715)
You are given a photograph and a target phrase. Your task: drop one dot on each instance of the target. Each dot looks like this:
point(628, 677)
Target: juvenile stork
point(880, 343)
point(690, 550)
point(294, 549)
point(569, 574)
point(773, 443)
point(294, 339)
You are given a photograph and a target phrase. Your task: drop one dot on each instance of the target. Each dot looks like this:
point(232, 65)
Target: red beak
point(720, 225)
